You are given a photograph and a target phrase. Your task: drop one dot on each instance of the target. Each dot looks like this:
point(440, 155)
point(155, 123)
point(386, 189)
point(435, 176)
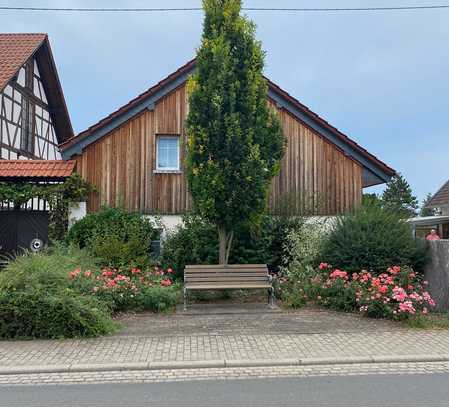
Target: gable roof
point(375, 171)
point(15, 50)
point(36, 170)
point(441, 198)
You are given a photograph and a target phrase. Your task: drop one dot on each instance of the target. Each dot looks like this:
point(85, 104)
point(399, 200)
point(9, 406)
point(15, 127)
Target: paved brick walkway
point(301, 335)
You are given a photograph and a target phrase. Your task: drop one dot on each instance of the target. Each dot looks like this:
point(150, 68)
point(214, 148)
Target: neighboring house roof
point(441, 198)
point(15, 50)
point(375, 171)
point(35, 170)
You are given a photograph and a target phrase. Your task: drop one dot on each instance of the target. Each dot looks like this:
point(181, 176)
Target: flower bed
point(397, 294)
point(127, 289)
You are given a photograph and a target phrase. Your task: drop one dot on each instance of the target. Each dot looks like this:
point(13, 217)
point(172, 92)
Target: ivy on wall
point(58, 196)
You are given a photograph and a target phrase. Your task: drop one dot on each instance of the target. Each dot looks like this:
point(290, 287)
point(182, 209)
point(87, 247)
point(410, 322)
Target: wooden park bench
point(228, 277)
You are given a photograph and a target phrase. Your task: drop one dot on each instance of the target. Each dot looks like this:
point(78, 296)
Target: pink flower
point(394, 270)
point(74, 274)
point(318, 297)
point(111, 284)
point(170, 270)
point(323, 266)
point(383, 289)
point(166, 282)
point(407, 306)
point(135, 271)
point(428, 298)
point(95, 289)
point(399, 294)
point(107, 273)
point(88, 273)
point(339, 274)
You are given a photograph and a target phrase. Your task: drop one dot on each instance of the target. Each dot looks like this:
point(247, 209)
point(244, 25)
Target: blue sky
point(381, 78)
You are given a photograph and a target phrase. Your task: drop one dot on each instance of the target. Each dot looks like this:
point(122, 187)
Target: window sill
point(167, 172)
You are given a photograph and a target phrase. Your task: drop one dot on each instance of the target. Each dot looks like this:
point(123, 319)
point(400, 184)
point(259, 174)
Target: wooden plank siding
point(315, 175)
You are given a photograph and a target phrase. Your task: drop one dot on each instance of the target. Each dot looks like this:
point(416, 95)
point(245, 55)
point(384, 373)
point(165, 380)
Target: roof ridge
point(274, 87)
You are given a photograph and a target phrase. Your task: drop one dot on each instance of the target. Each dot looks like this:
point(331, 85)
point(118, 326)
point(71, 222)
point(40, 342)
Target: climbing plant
point(58, 196)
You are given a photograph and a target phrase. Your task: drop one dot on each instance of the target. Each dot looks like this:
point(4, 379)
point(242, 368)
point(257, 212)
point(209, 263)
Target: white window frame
point(168, 137)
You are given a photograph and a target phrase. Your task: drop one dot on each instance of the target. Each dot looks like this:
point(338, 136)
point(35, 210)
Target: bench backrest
point(231, 273)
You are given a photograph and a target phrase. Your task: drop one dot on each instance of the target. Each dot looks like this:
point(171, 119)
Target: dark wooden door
point(19, 229)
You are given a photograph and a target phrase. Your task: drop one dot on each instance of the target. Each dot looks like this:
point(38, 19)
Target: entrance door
point(22, 229)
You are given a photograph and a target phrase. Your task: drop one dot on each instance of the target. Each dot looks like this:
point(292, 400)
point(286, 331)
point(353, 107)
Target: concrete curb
point(268, 363)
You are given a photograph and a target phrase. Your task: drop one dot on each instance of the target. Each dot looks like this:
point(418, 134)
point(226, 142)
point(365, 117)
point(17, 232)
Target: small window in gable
point(167, 153)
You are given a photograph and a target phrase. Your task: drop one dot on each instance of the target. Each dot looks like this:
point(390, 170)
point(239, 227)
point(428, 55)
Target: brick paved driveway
point(167, 338)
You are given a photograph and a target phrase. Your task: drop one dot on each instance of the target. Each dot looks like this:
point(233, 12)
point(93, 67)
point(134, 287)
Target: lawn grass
point(430, 321)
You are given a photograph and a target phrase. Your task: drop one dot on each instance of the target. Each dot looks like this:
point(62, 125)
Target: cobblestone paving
point(304, 334)
point(177, 375)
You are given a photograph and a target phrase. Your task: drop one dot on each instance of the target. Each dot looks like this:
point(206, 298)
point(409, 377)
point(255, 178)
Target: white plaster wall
point(77, 211)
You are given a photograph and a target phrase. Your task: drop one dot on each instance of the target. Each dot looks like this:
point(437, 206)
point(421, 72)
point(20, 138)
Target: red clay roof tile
point(15, 49)
point(36, 168)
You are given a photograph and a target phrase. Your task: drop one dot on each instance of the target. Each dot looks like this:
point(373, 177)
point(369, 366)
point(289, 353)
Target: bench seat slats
point(227, 267)
point(224, 286)
point(222, 277)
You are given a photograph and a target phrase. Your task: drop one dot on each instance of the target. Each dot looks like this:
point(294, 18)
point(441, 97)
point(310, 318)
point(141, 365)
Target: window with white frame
point(167, 153)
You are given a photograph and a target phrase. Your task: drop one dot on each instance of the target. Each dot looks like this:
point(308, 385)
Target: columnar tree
point(425, 211)
point(398, 197)
point(235, 141)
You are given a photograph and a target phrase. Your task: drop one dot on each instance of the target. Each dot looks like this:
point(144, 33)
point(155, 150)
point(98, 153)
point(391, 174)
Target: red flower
point(323, 266)
point(107, 273)
point(166, 282)
point(73, 274)
point(135, 271)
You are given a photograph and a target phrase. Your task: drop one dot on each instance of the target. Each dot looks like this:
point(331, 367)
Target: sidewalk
point(155, 342)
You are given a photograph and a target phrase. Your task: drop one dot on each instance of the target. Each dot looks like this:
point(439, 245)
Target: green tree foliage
point(424, 211)
point(371, 199)
point(398, 197)
point(373, 239)
point(195, 242)
point(235, 141)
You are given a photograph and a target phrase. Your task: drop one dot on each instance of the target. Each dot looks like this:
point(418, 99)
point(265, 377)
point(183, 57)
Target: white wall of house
point(77, 211)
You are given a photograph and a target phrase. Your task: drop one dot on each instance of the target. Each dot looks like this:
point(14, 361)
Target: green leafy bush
point(372, 238)
point(196, 242)
point(36, 300)
point(116, 237)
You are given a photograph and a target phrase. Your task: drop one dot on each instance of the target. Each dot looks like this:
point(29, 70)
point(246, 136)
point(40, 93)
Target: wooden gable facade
point(33, 114)
point(118, 156)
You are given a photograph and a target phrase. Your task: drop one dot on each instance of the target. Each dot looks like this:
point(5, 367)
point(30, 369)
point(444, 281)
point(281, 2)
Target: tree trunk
point(225, 242)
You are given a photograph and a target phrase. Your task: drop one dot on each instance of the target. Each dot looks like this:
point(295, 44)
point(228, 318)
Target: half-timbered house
point(33, 113)
point(135, 156)
point(33, 121)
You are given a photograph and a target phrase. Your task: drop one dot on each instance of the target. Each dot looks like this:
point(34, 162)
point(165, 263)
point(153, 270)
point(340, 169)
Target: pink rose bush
point(398, 293)
point(132, 288)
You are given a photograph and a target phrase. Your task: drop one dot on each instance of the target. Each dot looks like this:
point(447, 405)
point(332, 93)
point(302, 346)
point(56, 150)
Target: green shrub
point(36, 300)
point(196, 242)
point(34, 313)
point(373, 239)
point(116, 237)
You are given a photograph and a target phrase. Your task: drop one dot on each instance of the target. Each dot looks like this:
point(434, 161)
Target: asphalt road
point(361, 391)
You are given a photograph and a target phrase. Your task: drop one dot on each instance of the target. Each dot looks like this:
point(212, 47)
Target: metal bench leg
point(272, 297)
point(185, 299)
